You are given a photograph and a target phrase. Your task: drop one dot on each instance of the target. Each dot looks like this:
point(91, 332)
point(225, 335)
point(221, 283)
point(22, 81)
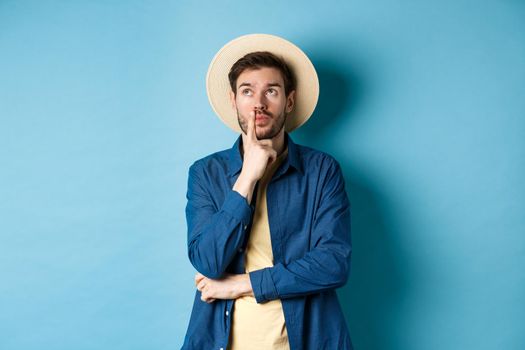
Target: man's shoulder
point(213, 160)
point(312, 157)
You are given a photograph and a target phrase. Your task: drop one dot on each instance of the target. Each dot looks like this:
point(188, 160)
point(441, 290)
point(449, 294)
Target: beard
point(276, 126)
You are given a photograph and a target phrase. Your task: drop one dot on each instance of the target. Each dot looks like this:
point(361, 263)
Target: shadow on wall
point(373, 298)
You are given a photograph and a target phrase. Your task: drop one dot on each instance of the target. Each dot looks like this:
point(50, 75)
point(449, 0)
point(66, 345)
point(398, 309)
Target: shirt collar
point(292, 160)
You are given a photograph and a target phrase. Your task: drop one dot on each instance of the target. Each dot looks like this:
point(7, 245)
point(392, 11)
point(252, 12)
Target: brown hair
point(257, 60)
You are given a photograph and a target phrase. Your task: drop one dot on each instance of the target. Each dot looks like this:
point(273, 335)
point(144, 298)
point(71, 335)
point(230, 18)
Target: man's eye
point(246, 91)
point(272, 91)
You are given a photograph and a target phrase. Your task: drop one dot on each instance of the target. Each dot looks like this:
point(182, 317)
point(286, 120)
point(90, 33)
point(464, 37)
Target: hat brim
point(218, 85)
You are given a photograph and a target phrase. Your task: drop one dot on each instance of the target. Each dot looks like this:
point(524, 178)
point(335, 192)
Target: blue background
point(103, 108)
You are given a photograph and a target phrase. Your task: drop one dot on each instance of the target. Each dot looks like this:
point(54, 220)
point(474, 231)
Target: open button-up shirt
point(309, 218)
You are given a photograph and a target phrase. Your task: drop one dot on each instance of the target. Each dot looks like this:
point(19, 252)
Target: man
point(268, 220)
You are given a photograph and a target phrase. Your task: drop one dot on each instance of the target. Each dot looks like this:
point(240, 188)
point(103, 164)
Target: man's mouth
point(261, 116)
point(262, 120)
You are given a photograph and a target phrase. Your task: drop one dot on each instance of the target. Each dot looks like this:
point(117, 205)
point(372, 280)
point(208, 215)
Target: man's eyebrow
point(269, 84)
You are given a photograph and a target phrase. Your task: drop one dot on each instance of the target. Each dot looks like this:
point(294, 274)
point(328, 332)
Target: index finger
point(252, 137)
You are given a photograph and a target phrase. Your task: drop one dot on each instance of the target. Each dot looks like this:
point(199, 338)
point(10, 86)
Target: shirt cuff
point(237, 206)
point(262, 285)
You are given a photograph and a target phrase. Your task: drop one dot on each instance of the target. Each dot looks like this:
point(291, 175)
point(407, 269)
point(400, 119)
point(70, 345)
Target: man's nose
point(260, 102)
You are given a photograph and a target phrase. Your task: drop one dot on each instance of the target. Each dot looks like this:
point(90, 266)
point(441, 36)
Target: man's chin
point(265, 133)
point(267, 136)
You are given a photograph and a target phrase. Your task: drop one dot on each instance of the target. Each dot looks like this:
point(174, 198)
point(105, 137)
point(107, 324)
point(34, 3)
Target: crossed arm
point(257, 153)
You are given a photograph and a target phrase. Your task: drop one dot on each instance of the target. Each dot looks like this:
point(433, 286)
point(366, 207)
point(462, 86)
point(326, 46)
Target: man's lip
point(261, 116)
point(262, 120)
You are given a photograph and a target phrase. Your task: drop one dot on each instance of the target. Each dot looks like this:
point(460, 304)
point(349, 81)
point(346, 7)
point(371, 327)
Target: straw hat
point(218, 85)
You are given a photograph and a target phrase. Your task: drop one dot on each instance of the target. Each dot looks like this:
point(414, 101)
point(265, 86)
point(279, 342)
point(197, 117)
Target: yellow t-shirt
point(259, 326)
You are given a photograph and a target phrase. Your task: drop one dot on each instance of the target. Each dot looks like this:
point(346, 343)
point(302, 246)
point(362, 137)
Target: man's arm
point(327, 265)
point(215, 236)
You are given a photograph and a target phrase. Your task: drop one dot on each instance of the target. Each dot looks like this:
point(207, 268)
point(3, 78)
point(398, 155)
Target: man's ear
point(290, 101)
point(232, 100)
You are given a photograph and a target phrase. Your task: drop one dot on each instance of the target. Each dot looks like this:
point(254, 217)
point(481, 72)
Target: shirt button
point(240, 250)
point(227, 313)
point(245, 227)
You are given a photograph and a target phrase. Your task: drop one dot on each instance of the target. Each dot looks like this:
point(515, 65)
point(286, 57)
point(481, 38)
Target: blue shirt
point(309, 218)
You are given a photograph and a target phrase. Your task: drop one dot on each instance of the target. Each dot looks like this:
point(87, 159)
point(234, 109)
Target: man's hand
point(257, 155)
point(228, 287)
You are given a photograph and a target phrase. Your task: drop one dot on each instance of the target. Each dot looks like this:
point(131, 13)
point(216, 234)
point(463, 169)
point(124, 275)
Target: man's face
point(262, 90)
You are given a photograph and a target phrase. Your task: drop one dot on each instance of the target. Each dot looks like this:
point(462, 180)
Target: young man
point(268, 220)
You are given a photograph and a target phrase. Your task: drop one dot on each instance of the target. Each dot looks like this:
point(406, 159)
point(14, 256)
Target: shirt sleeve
point(214, 235)
point(327, 265)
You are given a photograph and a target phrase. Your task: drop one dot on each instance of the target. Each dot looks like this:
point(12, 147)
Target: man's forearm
point(228, 287)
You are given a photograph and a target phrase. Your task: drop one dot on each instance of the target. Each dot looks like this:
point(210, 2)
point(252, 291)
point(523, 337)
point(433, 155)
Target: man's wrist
point(244, 187)
point(245, 287)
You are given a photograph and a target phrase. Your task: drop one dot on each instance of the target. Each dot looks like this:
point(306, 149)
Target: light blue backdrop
point(103, 108)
